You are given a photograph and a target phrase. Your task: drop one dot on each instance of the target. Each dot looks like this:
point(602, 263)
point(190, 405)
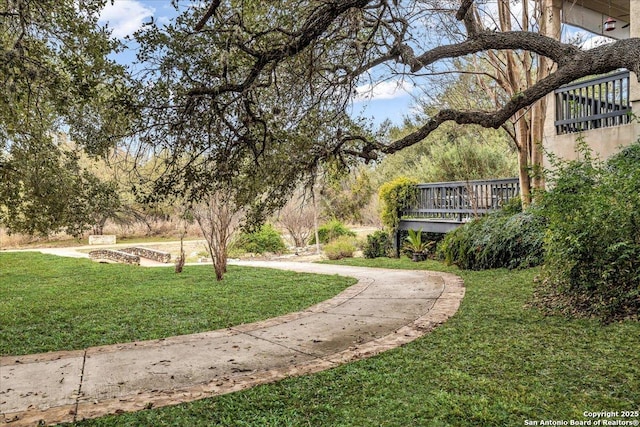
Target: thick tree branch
point(607, 58)
point(515, 40)
point(208, 14)
point(381, 38)
point(465, 6)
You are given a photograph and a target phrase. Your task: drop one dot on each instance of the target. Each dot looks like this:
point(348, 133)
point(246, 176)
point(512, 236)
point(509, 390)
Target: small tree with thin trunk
point(297, 218)
point(184, 219)
point(218, 217)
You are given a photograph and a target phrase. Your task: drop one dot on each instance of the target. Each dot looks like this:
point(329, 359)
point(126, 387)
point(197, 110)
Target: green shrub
point(592, 266)
point(395, 196)
point(378, 245)
point(342, 247)
point(502, 239)
point(416, 246)
point(331, 231)
point(265, 239)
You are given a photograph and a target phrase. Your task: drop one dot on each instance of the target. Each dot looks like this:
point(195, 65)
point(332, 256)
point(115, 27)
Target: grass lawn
point(53, 303)
point(495, 363)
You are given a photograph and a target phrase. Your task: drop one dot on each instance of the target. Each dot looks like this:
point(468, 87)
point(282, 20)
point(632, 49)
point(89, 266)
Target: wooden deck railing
point(459, 201)
point(594, 103)
point(444, 206)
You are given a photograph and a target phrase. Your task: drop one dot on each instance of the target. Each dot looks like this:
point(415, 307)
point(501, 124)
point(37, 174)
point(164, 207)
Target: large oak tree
point(268, 83)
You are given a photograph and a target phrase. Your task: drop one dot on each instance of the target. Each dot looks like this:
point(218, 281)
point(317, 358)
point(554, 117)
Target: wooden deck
point(444, 206)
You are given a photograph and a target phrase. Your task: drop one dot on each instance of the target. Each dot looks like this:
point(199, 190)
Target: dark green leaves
point(593, 242)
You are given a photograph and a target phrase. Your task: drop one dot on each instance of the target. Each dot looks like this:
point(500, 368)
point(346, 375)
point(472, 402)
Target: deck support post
point(396, 242)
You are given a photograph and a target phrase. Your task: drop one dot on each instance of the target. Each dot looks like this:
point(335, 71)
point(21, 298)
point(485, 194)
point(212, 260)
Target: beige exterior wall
point(604, 141)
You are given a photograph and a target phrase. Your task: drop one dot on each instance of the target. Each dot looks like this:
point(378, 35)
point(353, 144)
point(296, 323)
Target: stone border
point(114, 255)
point(151, 254)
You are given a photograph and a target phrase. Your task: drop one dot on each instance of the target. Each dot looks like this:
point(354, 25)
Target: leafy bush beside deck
point(508, 238)
point(592, 266)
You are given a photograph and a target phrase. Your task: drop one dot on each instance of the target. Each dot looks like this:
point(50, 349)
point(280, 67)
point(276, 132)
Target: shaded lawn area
point(53, 303)
point(495, 363)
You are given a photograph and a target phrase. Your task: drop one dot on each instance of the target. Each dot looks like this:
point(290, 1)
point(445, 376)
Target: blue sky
point(389, 99)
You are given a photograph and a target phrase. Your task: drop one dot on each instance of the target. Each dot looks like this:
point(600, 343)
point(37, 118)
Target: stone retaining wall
point(153, 254)
point(113, 255)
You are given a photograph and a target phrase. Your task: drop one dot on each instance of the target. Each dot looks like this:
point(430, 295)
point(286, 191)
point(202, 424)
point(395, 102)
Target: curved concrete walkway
point(385, 309)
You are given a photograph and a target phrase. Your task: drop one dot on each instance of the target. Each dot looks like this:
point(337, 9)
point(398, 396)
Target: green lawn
point(496, 363)
point(52, 303)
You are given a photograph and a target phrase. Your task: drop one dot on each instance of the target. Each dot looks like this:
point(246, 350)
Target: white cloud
point(489, 16)
point(125, 17)
point(595, 41)
point(582, 38)
point(590, 41)
point(383, 90)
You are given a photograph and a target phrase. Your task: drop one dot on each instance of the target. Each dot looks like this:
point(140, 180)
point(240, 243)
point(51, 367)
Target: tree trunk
point(315, 220)
point(538, 112)
point(523, 138)
point(523, 175)
point(518, 78)
point(181, 257)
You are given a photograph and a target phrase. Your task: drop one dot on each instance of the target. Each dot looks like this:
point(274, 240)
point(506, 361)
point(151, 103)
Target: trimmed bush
point(331, 231)
point(502, 239)
point(378, 245)
point(265, 239)
point(342, 247)
point(592, 266)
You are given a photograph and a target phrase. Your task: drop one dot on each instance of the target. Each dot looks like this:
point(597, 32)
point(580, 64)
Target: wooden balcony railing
point(462, 200)
point(593, 104)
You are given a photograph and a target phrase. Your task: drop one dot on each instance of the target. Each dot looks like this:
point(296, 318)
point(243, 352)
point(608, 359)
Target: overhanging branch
point(604, 59)
point(513, 40)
